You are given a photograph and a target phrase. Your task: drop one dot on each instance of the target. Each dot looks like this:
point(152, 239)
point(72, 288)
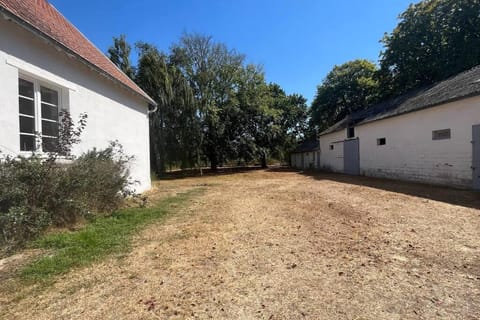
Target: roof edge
point(25, 24)
point(467, 96)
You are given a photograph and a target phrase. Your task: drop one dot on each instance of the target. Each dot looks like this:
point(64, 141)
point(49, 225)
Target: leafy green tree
point(173, 125)
point(119, 54)
point(348, 88)
point(212, 71)
point(212, 107)
point(291, 120)
point(434, 39)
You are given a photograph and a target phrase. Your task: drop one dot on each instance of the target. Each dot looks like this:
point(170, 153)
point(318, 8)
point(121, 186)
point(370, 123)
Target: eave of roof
point(307, 146)
point(126, 82)
point(461, 86)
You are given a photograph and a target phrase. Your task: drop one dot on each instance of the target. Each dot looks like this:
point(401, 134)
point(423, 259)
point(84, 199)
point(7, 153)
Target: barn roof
point(307, 146)
point(40, 17)
point(461, 86)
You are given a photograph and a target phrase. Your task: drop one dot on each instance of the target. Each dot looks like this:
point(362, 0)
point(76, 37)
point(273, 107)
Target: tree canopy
point(119, 54)
point(348, 88)
point(213, 107)
point(434, 40)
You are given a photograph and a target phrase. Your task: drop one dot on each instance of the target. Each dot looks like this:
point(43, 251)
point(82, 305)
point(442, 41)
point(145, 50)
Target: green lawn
point(100, 238)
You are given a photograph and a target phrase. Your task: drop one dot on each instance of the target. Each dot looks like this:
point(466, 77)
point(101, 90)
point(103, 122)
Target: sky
point(296, 41)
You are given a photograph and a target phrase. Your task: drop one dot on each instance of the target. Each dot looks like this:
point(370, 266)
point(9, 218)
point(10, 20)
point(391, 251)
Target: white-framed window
point(39, 106)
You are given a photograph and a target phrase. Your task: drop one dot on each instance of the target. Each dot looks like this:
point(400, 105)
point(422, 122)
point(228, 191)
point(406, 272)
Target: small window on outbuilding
point(443, 134)
point(381, 141)
point(350, 132)
point(331, 147)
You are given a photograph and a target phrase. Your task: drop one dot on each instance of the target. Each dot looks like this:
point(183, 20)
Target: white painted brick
point(410, 153)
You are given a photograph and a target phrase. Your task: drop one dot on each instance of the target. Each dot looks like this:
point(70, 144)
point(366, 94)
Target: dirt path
point(281, 245)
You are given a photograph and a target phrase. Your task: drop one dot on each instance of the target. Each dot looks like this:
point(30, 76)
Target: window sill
point(45, 156)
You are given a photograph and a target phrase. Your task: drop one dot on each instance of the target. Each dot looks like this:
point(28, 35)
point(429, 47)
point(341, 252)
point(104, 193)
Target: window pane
point(49, 144)
point(27, 143)
point(49, 112)
point(27, 125)
point(49, 95)
point(351, 132)
point(26, 106)
point(25, 88)
point(49, 128)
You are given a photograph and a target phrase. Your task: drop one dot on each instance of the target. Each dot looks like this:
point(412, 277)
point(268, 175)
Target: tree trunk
point(213, 160)
point(264, 160)
point(213, 164)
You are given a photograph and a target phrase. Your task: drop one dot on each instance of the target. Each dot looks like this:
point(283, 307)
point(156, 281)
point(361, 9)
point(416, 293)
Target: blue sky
point(297, 41)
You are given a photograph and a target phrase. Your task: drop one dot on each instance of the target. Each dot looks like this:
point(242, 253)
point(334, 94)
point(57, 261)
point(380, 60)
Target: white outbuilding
point(431, 135)
point(48, 66)
point(306, 155)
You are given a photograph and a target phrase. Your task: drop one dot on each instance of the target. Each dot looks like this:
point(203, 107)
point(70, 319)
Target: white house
point(430, 135)
point(47, 65)
point(306, 155)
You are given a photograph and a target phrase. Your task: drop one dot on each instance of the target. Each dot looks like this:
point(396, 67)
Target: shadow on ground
point(193, 173)
point(464, 198)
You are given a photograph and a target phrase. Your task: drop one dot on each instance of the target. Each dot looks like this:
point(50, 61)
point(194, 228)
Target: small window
point(331, 147)
point(381, 141)
point(350, 132)
point(441, 134)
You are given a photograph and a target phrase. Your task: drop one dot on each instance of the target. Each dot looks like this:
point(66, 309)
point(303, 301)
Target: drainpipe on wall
point(155, 108)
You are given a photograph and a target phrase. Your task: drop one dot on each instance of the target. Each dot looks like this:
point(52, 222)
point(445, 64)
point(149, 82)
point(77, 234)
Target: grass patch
point(100, 238)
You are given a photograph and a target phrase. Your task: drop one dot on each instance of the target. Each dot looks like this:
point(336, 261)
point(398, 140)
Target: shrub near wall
point(36, 192)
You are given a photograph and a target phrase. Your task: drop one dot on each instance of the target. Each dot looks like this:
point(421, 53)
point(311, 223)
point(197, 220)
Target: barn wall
point(113, 112)
point(332, 160)
point(411, 153)
point(293, 160)
point(309, 162)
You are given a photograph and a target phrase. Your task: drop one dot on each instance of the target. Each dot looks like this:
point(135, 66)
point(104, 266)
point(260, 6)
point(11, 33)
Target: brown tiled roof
point(41, 17)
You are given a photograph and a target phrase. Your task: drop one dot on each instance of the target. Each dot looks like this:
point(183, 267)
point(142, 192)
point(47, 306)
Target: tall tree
point(212, 70)
point(172, 125)
point(119, 54)
point(348, 88)
point(292, 121)
point(211, 105)
point(433, 40)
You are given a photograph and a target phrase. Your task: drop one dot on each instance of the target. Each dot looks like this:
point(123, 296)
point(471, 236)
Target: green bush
point(39, 191)
point(36, 193)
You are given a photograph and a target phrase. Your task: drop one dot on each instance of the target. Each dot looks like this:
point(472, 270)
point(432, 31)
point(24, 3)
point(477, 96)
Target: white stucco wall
point(309, 162)
point(113, 112)
point(293, 160)
point(410, 153)
point(332, 160)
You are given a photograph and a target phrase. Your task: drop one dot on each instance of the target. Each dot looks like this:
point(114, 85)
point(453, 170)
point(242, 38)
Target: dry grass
point(280, 245)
